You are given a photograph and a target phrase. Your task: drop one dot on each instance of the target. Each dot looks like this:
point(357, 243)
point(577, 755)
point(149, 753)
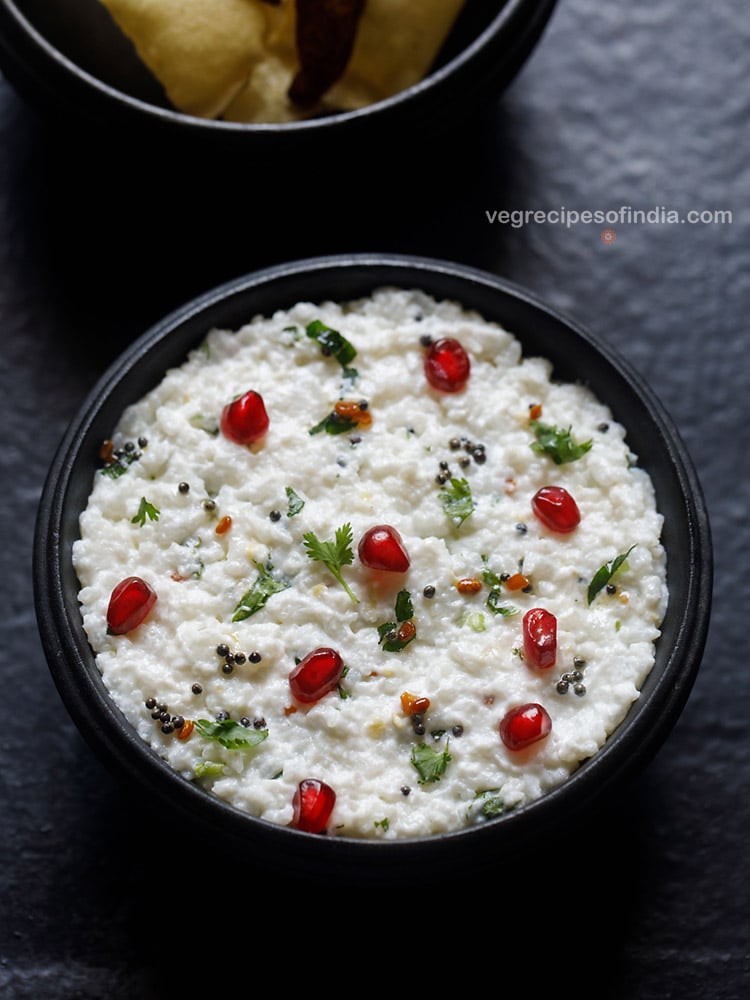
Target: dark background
point(642, 105)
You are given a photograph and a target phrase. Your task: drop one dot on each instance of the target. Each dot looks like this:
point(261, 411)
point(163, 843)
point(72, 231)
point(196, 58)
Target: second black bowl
point(71, 59)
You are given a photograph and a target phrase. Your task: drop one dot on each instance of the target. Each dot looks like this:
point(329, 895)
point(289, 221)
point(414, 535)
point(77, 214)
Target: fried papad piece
point(282, 60)
point(201, 51)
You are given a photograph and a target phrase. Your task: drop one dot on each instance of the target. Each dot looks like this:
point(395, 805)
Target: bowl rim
point(101, 722)
point(516, 24)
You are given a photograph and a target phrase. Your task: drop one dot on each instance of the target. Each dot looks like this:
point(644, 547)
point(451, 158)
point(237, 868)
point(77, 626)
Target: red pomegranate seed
point(556, 509)
point(381, 547)
point(524, 725)
point(313, 804)
point(540, 638)
point(129, 603)
point(245, 419)
point(447, 365)
point(316, 674)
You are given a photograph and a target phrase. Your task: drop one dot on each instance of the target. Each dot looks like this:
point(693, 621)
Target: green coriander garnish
point(202, 422)
point(557, 442)
point(489, 803)
point(145, 510)
point(333, 554)
point(457, 500)
point(295, 502)
point(496, 605)
point(495, 601)
point(429, 762)
point(230, 734)
point(404, 606)
point(120, 465)
point(605, 573)
point(265, 586)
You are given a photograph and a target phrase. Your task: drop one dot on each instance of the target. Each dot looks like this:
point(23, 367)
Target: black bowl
point(576, 355)
point(69, 57)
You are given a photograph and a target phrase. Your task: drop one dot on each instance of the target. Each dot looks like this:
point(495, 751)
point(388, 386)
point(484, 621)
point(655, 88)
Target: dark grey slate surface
point(642, 105)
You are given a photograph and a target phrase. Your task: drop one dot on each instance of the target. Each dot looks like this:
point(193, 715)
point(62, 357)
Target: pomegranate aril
point(540, 638)
point(130, 602)
point(245, 420)
point(381, 547)
point(556, 509)
point(312, 804)
point(316, 674)
point(524, 725)
point(446, 365)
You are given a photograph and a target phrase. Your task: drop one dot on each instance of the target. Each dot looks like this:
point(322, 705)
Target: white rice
point(464, 658)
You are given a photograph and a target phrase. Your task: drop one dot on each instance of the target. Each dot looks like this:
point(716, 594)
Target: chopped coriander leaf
point(120, 465)
point(558, 443)
point(231, 734)
point(257, 596)
point(495, 598)
point(294, 333)
point(497, 607)
point(489, 803)
point(145, 510)
point(395, 636)
point(457, 500)
point(429, 763)
point(490, 578)
point(296, 503)
point(404, 606)
point(333, 554)
point(333, 343)
point(605, 573)
point(201, 422)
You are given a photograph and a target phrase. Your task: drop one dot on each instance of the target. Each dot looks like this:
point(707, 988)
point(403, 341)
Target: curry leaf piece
point(605, 573)
point(333, 423)
point(332, 343)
